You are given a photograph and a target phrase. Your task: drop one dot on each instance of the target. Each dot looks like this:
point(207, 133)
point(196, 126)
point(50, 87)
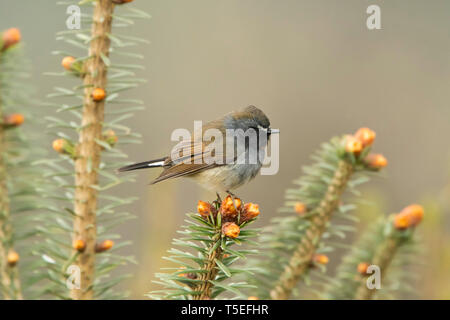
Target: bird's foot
point(231, 194)
point(218, 201)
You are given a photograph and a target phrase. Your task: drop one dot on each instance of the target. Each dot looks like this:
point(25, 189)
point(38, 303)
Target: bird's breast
point(227, 177)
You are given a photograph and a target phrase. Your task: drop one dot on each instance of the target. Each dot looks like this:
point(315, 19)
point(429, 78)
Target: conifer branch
point(382, 259)
point(210, 234)
point(85, 211)
point(294, 243)
point(9, 273)
point(388, 245)
point(6, 276)
point(88, 152)
point(398, 232)
point(302, 256)
point(209, 270)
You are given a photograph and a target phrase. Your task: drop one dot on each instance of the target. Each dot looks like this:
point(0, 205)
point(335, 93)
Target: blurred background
point(316, 71)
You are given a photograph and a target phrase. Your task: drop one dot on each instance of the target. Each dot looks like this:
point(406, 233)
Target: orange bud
point(226, 255)
point(111, 134)
point(204, 208)
point(401, 221)
point(252, 298)
point(414, 212)
point(104, 246)
point(67, 62)
point(98, 94)
point(79, 245)
point(58, 145)
point(362, 268)
point(110, 137)
point(353, 145)
point(11, 37)
point(410, 216)
point(251, 211)
point(300, 208)
point(12, 258)
point(376, 161)
point(64, 146)
point(14, 120)
point(231, 229)
point(230, 209)
point(181, 269)
point(321, 259)
point(237, 203)
point(366, 136)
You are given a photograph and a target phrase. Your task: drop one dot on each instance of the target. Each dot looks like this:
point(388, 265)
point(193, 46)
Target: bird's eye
point(263, 129)
point(258, 128)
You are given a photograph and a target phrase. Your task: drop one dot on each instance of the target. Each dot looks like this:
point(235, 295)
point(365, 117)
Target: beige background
point(312, 66)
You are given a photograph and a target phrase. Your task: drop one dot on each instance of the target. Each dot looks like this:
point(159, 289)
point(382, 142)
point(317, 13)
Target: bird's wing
point(180, 170)
point(191, 157)
point(195, 155)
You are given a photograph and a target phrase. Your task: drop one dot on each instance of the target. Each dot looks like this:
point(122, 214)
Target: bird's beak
point(271, 131)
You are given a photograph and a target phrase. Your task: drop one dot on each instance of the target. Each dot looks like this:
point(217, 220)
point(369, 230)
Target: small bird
point(218, 175)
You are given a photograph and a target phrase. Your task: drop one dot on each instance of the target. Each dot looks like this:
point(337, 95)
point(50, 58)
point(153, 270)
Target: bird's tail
point(143, 165)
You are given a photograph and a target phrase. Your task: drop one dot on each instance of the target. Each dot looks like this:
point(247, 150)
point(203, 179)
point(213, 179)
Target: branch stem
point(383, 258)
point(88, 151)
point(321, 215)
point(9, 275)
point(211, 272)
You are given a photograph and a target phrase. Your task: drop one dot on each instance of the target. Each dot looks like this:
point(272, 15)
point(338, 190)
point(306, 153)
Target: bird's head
point(251, 118)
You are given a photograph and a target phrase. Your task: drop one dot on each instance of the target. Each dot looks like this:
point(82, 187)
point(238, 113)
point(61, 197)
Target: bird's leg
point(218, 201)
point(231, 194)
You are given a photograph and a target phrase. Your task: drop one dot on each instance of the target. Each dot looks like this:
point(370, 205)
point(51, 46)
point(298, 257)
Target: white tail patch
point(156, 164)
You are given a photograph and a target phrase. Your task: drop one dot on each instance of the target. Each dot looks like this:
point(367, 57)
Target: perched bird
point(224, 163)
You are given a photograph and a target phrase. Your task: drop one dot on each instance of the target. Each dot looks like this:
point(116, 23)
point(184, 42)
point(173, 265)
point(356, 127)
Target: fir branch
point(208, 238)
point(292, 242)
point(209, 270)
point(302, 256)
point(88, 151)
point(10, 285)
point(388, 245)
point(90, 144)
point(383, 258)
point(18, 187)
point(398, 232)
point(9, 279)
